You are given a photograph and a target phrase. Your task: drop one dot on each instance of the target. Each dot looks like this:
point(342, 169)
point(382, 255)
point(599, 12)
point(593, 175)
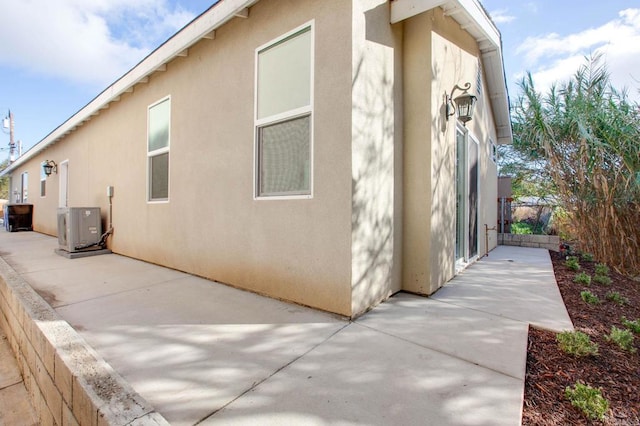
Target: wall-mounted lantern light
point(463, 106)
point(49, 166)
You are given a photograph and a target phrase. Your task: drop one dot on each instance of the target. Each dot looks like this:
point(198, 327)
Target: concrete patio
point(199, 352)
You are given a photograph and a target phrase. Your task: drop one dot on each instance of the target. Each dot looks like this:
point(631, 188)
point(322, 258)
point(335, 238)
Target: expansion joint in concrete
point(259, 382)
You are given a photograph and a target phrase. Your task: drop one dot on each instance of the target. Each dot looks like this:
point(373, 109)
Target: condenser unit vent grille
point(79, 228)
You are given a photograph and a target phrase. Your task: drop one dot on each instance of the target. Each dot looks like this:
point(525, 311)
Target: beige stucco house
point(300, 149)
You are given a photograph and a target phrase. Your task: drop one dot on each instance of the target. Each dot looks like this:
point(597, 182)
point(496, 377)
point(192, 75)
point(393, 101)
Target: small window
point(24, 190)
point(284, 116)
point(43, 180)
point(493, 151)
point(159, 127)
point(479, 79)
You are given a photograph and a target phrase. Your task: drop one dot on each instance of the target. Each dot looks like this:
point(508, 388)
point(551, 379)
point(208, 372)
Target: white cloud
point(555, 58)
point(532, 7)
point(500, 16)
point(86, 41)
point(557, 72)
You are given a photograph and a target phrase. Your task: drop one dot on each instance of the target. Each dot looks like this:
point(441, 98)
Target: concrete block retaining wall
point(550, 242)
point(67, 381)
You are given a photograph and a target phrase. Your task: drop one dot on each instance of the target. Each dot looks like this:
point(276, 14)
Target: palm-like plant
point(586, 136)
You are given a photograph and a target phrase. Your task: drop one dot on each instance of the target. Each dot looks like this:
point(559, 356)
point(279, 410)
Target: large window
point(284, 116)
point(159, 129)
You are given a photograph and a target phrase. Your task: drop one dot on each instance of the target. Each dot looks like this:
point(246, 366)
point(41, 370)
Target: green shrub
point(589, 297)
point(572, 263)
point(632, 325)
point(589, 400)
point(587, 257)
point(602, 279)
point(614, 296)
point(583, 278)
point(602, 269)
point(576, 343)
point(623, 338)
point(521, 228)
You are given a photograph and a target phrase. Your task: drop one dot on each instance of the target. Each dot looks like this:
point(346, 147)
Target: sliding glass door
point(466, 246)
point(461, 199)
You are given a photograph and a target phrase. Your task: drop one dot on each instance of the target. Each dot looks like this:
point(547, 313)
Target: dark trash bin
point(18, 217)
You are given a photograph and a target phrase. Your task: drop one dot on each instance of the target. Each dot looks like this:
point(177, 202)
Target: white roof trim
point(472, 18)
point(203, 26)
point(469, 13)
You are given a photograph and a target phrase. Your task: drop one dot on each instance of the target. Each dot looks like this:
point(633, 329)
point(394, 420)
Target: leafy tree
point(4, 181)
point(584, 137)
point(529, 176)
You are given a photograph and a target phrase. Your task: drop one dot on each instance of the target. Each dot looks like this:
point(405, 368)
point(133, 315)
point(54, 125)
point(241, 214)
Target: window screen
point(284, 157)
point(159, 166)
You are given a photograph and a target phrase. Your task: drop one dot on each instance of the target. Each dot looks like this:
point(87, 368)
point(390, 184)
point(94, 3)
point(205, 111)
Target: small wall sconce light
point(49, 166)
point(464, 104)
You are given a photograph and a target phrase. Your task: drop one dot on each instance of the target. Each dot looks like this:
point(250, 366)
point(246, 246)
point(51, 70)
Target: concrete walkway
point(204, 353)
point(15, 405)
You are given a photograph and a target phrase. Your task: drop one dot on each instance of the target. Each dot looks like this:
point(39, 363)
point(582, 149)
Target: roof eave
point(201, 27)
point(472, 18)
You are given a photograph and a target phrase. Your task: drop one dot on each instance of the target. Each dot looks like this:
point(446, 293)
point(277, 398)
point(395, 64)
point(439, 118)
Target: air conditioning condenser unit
point(79, 230)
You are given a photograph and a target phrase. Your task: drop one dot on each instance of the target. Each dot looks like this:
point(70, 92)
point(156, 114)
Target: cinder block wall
point(67, 381)
point(550, 242)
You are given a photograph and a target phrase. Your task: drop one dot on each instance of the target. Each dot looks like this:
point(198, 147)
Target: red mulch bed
point(615, 371)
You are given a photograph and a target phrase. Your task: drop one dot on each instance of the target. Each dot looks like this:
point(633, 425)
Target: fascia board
point(404, 9)
point(200, 27)
point(473, 18)
point(482, 23)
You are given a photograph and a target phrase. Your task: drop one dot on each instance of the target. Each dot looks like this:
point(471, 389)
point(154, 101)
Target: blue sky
point(550, 39)
point(55, 56)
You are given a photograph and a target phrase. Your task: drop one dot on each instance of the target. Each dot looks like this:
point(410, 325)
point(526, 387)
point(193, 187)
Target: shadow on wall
point(373, 184)
point(443, 186)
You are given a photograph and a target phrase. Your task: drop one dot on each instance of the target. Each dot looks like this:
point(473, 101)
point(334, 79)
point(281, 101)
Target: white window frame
point(285, 116)
point(43, 181)
point(24, 187)
point(461, 262)
point(474, 139)
point(63, 185)
point(462, 259)
point(157, 152)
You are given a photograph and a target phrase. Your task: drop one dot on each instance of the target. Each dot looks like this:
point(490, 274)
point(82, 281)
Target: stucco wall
point(376, 154)
point(417, 154)
point(439, 55)
point(455, 61)
point(298, 250)
point(382, 214)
